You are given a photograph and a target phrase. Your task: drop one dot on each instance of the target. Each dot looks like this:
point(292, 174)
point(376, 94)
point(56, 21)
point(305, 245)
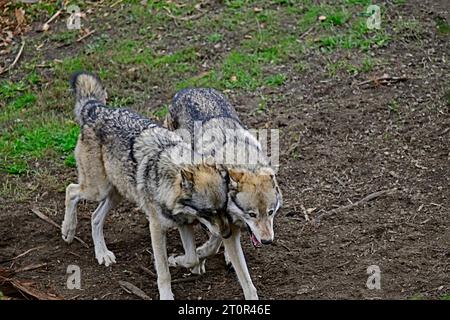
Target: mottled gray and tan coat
point(122, 154)
point(209, 119)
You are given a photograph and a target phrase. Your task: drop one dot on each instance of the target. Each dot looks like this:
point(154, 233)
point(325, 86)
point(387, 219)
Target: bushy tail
point(86, 86)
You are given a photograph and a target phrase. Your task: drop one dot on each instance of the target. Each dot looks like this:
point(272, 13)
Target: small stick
point(15, 60)
point(305, 213)
point(85, 36)
point(357, 203)
point(383, 78)
point(339, 181)
point(116, 3)
point(30, 267)
point(22, 254)
point(193, 17)
point(53, 223)
point(285, 246)
point(47, 24)
point(148, 271)
point(131, 288)
point(189, 279)
point(304, 34)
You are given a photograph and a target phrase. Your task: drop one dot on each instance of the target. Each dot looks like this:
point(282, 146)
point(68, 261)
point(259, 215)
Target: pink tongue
point(255, 241)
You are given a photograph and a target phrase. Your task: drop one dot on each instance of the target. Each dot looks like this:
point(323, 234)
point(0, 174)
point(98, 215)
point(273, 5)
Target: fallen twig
point(46, 25)
point(305, 213)
point(116, 3)
point(186, 18)
point(21, 288)
point(382, 80)
point(15, 60)
point(53, 223)
point(85, 36)
point(304, 34)
point(131, 288)
point(357, 203)
point(148, 271)
point(30, 267)
point(188, 279)
point(22, 254)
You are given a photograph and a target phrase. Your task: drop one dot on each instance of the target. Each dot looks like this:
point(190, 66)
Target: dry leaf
point(256, 9)
point(233, 79)
point(322, 18)
point(20, 16)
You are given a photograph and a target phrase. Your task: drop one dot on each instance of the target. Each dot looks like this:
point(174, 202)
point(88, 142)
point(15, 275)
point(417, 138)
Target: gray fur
point(123, 154)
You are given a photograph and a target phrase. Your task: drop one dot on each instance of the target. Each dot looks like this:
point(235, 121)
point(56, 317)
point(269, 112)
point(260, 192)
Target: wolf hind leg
point(102, 254)
point(69, 225)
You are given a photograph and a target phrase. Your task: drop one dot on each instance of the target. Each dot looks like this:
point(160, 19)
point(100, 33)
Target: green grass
point(161, 112)
point(215, 37)
point(25, 143)
point(276, 80)
point(36, 115)
point(445, 297)
point(442, 25)
point(393, 106)
point(366, 65)
point(65, 36)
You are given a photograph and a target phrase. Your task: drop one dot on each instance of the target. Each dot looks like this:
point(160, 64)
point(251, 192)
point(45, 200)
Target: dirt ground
point(339, 143)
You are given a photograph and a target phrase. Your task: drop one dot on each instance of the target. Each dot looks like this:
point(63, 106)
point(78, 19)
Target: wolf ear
point(187, 178)
point(267, 171)
point(236, 175)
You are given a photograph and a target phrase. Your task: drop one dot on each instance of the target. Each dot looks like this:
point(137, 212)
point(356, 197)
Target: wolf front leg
point(209, 248)
point(158, 236)
point(234, 250)
point(189, 259)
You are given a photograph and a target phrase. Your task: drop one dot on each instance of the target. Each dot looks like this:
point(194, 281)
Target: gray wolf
point(120, 154)
point(254, 196)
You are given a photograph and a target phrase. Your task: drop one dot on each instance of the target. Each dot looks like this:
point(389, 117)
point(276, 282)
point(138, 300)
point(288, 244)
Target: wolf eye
point(271, 212)
point(252, 214)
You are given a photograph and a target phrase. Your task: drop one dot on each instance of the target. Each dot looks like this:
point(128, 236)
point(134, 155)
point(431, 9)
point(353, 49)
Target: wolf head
point(204, 195)
point(255, 198)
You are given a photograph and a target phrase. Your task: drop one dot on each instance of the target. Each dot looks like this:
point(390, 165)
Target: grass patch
point(215, 37)
point(27, 143)
point(161, 112)
point(366, 65)
point(276, 80)
point(393, 106)
point(442, 25)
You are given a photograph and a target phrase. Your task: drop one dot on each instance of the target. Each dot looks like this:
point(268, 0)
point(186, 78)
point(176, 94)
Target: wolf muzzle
point(223, 223)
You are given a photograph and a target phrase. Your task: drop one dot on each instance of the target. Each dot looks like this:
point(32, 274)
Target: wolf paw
point(68, 231)
point(105, 257)
point(173, 261)
point(199, 269)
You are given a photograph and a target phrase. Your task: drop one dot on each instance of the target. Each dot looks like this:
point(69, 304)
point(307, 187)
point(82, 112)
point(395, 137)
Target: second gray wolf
point(208, 118)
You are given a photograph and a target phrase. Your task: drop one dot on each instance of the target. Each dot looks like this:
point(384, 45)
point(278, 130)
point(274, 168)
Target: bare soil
point(339, 143)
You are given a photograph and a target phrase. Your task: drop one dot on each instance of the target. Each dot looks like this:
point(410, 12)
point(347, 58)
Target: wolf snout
point(266, 241)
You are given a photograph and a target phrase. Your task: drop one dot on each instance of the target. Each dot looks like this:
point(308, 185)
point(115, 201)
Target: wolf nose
point(266, 241)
